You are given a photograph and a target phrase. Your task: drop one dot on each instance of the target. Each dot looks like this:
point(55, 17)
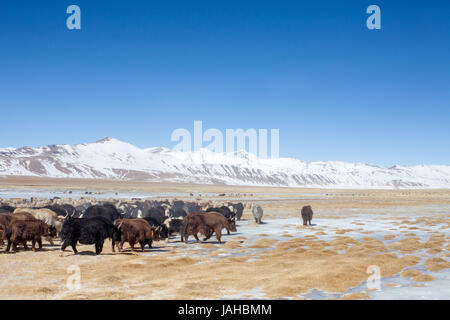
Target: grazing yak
point(23, 216)
point(206, 223)
point(238, 209)
point(88, 231)
point(224, 210)
point(178, 210)
point(193, 207)
point(6, 209)
point(307, 215)
point(5, 221)
point(21, 231)
point(107, 211)
point(163, 230)
point(129, 210)
point(158, 214)
point(257, 214)
point(174, 225)
point(136, 231)
point(64, 210)
point(46, 215)
point(192, 225)
point(82, 208)
point(7, 218)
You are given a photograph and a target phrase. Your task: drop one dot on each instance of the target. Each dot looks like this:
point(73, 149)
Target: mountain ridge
point(110, 158)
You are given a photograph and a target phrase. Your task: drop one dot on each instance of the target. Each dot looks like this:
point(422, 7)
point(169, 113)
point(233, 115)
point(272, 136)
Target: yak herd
point(138, 224)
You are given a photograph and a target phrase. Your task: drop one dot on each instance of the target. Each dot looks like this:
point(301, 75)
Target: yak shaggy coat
point(207, 223)
point(88, 231)
point(46, 215)
point(135, 231)
point(307, 215)
point(21, 231)
point(5, 220)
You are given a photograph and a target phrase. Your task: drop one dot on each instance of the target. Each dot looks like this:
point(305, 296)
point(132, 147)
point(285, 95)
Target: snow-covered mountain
point(113, 159)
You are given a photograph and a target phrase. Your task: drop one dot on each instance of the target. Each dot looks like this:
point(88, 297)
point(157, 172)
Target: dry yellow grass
point(356, 296)
point(437, 264)
point(288, 270)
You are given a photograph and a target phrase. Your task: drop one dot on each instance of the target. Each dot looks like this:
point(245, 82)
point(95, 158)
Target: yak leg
point(8, 247)
point(74, 247)
point(132, 245)
point(50, 239)
point(25, 247)
point(33, 245)
point(186, 238)
point(196, 237)
point(14, 246)
point(219, 234)
point(150, 243)
point(142, 243)
point(100, 247)
point(64, 245)
point(208, 234)
point(309, 221)
point(206, 237)
point(39, 241)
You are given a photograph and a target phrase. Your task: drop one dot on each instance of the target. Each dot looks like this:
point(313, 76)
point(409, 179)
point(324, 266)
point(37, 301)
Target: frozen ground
point(374, 226)
point(279, 259)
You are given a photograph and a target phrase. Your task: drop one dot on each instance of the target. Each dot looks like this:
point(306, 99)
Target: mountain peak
point(112, 141)
point(107, 139)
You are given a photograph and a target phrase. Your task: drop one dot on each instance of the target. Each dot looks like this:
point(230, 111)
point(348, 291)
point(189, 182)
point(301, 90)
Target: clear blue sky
point(140, 69)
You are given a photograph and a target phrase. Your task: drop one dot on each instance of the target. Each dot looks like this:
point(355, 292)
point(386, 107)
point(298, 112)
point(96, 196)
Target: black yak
point(88, 231)
point(161, 227)
point(107, 211)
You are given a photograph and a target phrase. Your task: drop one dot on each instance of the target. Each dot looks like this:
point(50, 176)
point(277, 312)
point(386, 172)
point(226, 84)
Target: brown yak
point(307, 215)
point(136, 231)
point(5, 220)
point(29, 214)
point(206, 223)
point(21, 231)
